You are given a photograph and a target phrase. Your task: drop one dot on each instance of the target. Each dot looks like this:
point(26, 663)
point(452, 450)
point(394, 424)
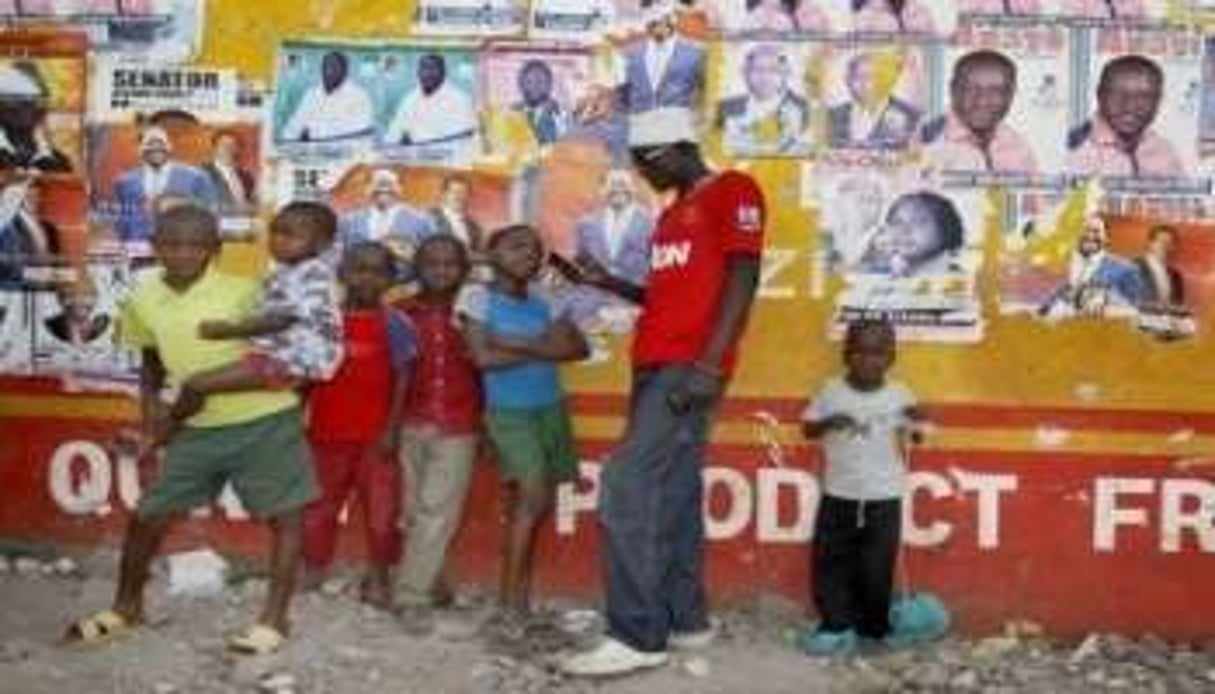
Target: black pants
point(856, 545)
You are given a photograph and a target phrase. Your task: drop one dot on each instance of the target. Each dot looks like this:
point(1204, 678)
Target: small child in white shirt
point(862, 420)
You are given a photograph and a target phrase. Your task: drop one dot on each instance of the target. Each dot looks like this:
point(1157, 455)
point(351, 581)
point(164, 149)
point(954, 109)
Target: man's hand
point(697, 387)
point(592, 271)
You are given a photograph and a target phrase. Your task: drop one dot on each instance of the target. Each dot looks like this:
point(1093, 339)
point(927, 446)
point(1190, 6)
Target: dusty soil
point(343, 647)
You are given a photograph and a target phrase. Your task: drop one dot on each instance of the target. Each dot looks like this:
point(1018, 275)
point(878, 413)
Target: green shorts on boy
point(254, 439)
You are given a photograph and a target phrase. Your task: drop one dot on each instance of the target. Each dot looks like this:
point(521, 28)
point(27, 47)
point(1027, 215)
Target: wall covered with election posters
point(1023, 188)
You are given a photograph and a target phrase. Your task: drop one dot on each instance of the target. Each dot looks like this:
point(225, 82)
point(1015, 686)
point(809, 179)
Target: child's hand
point(215, 330)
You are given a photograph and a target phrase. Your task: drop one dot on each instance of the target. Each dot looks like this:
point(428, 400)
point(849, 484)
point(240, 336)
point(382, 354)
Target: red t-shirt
point(692, 243)
point(354, 405)
point(446, 387)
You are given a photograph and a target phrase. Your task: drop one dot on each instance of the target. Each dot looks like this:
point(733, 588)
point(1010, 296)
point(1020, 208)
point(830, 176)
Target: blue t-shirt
point(531, 385)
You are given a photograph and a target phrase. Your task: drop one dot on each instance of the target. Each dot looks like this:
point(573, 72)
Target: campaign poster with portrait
point(42, 230)
point(1005, 108)
point(1147, 143)
point(42, 100)
point(155, 29)
point(327, 99)
point(912, 255)
point(582, 21)
point(910, 20)
point(774, 19)
point(159, 130)
point(1008, 10)
point(140, 166)
point(470, 17)
point(1157, 275)
point(1123, 12)
point(429, 112)
point(529, 99)
point(875, 96)
point(764, 110)
point(74, 326)
point(16, 333)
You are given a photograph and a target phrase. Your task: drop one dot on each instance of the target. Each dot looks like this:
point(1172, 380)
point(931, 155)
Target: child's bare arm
point(151, 382)
point(486, 352)
point(563, 341)
point(814, 429)
point(267, 323)
point(390, 440)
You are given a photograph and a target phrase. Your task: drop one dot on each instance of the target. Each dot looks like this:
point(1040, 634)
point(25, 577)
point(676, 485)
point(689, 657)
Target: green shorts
point(267, 460)
point(534, 445)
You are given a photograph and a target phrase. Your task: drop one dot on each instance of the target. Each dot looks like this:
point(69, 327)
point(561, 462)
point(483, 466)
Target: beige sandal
point(258, 639)
point(99, 628)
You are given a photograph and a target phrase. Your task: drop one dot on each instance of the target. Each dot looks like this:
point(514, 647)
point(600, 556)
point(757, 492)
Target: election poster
point(776, 19)
point(42, 100)
point(1004, 110)
point(875, 95)
point(152, 29)
point(16, 333)
point(470, 17)
point(529, 100)
point(582, 21)
point(327, 99)
point(911, 20)
point(764, 110)
point(430, 110)
point(42, 230)
point(74, 327)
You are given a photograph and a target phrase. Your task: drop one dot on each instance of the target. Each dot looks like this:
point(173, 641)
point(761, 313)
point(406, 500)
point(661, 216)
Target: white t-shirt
point(867, 465)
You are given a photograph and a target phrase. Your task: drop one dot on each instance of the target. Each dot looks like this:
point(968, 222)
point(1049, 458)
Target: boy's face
point(185, 253)
point(518, 256)
point(441, 268)
point(292, 241)
point(367, 275)
point(868, 357)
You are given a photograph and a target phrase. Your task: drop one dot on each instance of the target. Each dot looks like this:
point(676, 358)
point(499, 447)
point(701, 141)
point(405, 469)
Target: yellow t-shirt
point(157, 317)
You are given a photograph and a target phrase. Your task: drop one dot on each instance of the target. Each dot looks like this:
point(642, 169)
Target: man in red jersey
point(704, 270)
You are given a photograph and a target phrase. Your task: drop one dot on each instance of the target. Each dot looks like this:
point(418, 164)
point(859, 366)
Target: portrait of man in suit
point(1097, 279)
point(663, 68)
point(235, 186)
point(616, 237)
point(546, 117)
point(1118, 140)
point(874, 116)
point(770, 118)
point(25, 238)
point(78, 321)
point(137, 189)
point(1161, 285)
point(25, 141)
point(974, 135)
point(453, 215)
point(386, 218)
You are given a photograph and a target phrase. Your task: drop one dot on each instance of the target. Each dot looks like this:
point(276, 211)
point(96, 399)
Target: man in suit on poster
point(137, 189)
point(770, 117)
point(874, 117)
point(1161, 285)
point(234, 186)
point(386, 218)
point(663, 69)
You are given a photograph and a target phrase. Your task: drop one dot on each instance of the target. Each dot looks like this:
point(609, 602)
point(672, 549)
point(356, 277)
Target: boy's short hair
point(442, 240)
point(187, 216)
point(371, 248)
point(315, 215)
point(861, 326)
point(509, 230)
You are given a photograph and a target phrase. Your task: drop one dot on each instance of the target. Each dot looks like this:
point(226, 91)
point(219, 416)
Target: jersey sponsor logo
point(748, 218)
point(668, 255)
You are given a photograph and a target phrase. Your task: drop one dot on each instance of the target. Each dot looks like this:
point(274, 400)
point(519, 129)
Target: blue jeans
point(650, 514)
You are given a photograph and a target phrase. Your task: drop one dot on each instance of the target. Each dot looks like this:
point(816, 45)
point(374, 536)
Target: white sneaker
point(611, 657)
point(692, 640)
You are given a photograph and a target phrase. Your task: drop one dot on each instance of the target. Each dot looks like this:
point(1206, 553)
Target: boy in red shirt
point(442, 425)
point(354, 424)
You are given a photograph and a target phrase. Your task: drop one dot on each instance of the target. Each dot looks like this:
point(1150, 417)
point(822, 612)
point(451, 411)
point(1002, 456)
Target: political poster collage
point(937, 143)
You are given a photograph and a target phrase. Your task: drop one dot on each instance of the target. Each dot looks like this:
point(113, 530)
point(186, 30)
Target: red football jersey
point(691, 246)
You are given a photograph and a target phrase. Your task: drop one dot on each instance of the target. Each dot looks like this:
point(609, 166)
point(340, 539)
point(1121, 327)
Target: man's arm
point(742, 280)
point(594, 274)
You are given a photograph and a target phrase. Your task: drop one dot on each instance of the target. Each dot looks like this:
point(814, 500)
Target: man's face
point(431, 72)
point(766, 75)
point(455, 195)
point(1129, 102)
point(657, 165)
point(226, 148)
point(535, 84)
point(862, 80)
point(155, 153)
point(22, 113)
point(619, 193)
point(333, 71)
point(1092, 240)
point(661, 29)
point(982, 93)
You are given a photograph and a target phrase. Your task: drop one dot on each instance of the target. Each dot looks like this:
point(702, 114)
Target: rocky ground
point(342, 647)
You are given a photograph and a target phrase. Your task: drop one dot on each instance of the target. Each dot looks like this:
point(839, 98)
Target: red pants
point(342, 468)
